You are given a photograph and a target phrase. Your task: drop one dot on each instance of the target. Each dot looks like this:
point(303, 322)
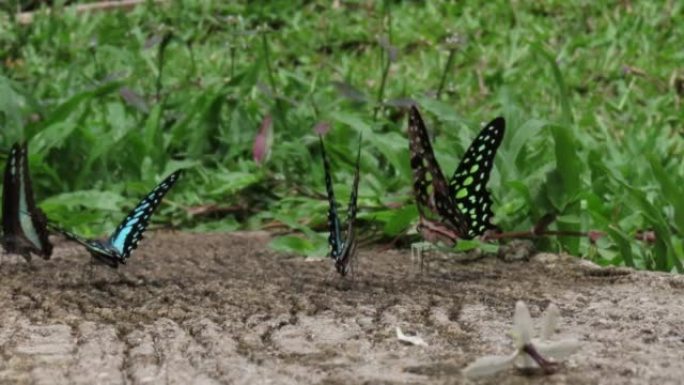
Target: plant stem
point(547, 366)
point(232, 62)
point(386, 60)
point(381, 91)
point(447, 69)
point(166, 39)
point(271, 79)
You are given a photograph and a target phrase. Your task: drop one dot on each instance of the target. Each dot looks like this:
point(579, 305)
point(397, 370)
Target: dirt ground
point(222, 308)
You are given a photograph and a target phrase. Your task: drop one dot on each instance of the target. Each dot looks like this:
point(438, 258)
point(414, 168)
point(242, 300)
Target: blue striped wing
point(126, 237)
point(95, 247)
point(23, 223)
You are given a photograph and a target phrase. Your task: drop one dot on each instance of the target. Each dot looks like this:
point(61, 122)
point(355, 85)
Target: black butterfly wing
point(24, 224)
point(33, 220)
point(469, 183)
point(335, 238)
point(100, 250)
point(432, 193)
point(349, 250)
point(11, 226)
point(87, 243)
point(352, 208)
point(127, 235)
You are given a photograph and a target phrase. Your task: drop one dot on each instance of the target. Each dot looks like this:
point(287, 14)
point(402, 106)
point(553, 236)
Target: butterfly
point(24, 226)
point(342, 248)
point(116, 249)
point(461, 207)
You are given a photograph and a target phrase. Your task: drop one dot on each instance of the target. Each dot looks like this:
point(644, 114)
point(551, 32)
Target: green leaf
point(464, 245)
point(563, 95)
point(297, 245)
point(666, 256)
point(396, 220)
point(88, 199)
point(624, 244)
point(671, 191)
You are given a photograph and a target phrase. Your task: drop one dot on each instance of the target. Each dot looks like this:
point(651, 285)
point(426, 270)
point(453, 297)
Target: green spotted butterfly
point(461, 208)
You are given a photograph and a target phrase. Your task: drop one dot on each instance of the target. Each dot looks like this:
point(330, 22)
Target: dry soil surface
point(222, 308)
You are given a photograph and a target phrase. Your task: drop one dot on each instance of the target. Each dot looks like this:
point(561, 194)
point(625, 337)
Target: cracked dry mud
point(222, 308)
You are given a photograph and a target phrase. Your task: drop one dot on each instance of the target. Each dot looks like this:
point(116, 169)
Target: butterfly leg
point(418, 254)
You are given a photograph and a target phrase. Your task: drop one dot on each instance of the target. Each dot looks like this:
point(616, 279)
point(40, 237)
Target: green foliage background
point(591, 92)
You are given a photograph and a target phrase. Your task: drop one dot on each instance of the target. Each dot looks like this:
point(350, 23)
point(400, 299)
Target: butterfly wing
point(335, 238)
point(33, 220)
point(349, 250)
point(10, 198)
point(87, 243)
point(100, 250)
point(352, 208)
point(468, 184)
point(432, 193)
point(127, 235)
point(24, 225)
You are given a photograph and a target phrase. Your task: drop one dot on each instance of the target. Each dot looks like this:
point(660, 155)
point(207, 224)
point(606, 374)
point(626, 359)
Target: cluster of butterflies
point(449, 211)
point(26, 228)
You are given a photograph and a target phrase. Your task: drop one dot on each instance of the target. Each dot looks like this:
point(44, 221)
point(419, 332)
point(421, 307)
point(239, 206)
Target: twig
point(125, 5)
point(532, 234)
point(647, 236)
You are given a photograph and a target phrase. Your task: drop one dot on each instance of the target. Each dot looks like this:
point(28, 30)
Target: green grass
point(591, 94)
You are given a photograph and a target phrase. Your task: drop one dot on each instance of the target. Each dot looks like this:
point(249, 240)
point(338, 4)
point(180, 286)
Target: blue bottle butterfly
point(342, 248)
point(116, 249)
point(24, 226)
point(461, 208)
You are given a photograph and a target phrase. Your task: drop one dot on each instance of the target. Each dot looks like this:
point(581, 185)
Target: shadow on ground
point(222, 308)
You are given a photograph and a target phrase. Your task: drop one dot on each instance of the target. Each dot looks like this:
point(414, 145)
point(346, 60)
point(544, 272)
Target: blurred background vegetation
point(111, 102)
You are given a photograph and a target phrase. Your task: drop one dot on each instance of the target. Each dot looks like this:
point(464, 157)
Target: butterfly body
point(436, 232)
point(343, 247)
point(461, 207)
point(115, 250)
point(105, 253)
point(344, 257)
point(24, 225)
